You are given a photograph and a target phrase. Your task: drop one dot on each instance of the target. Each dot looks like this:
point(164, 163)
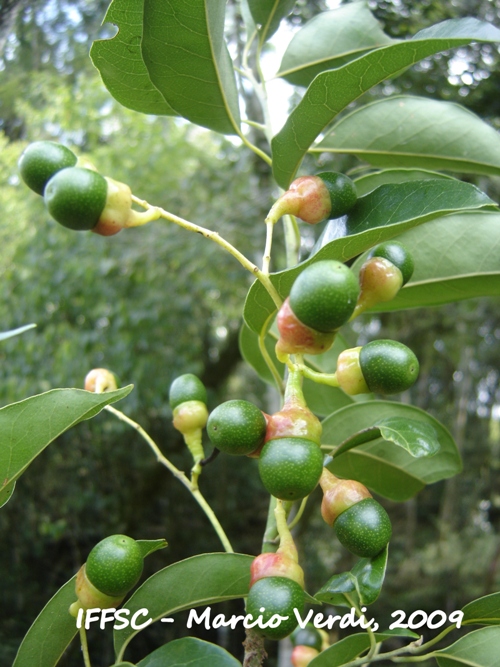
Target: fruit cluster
point(287, 444)
point(76, 195)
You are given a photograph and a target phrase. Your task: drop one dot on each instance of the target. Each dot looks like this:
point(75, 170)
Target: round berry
point(236, 427)
point(307, 636)
point(324, 295)
point(388, 367)
point(290, 468)
point(342, 192)
point(76, 197)
point(114, 565)
point(41, 160)
point(364, 528)
point(276, 595)
point(398, 255)
point(186, 387)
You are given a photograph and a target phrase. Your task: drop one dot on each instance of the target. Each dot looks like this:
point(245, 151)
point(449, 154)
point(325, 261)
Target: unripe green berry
point(364, 528)
point(76, 197)
point(276, 595)
point(236, 427)
point(308, 636)
point(388, 367)
point(398, 255)
point(290, 468)
point(41, 160)
point(114, 565)
point(342, 192)
point(186, 387)
point(324, 295)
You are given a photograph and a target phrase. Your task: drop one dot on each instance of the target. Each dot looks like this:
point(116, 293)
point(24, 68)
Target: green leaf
point(341, 652)
point(200, 580)
point(333, 90)
point(267, 15)
point(330, 40)
point(380, 215)
point(321, 399)
point(456, 258)
point(381, 465)
point(150, 546)
point(120, 63)
point(6, 493)
point(369, 182)
point(425, 133)
point(362, 584)
point(351, 647)
point(477, 649)
point(188, 61)
point(416, 437)
point(51, 632)
point(27, 427)
point(15, 332)
point(484, 611)
point(189, 651)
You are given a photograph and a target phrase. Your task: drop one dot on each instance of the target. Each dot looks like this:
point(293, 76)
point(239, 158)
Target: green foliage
point(189, 651)
point(201, 580)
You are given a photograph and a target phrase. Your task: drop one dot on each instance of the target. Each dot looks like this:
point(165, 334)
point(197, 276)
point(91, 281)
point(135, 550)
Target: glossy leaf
point(188, 61)
point(196, 581)
point(6, 493)
point(15, 332)
point(416, 437)
point(361, 585)
point(268, 14)
point(456, 258)
point(150, 546)
point(120, 62)
point(342, 651)
point(477, 649)
point(425, 133)
point(332, 91)
point(381, 465)
point(484, 611)
point(369, 182)
point(51, 632)
point(27, 427)
point(189, 651)
point(380, 215)
point(321, 399)
point(330, 40)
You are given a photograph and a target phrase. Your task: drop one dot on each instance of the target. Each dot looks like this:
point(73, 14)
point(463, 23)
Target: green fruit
point(290, 468)
point(342, 192)
point(41, 160)
point(76, 197)
point(324, 295)
point(398, 255)
point(388, 367)
point(186, 387)
point(364, 528)
point(308, 636)
point(277, 595)
point(114, 565)
point(236, 427)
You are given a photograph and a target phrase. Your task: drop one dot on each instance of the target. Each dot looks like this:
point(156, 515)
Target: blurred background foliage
point(155, 302)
